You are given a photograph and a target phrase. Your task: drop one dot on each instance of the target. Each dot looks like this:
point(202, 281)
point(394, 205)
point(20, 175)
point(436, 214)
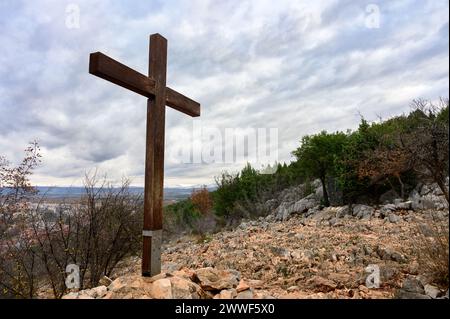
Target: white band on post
point(156, 241)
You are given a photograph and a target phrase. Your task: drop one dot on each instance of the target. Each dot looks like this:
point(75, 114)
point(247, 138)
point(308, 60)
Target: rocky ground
point(307, 253)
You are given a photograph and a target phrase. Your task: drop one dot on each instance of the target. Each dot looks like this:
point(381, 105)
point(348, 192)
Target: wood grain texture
point(182, 103)
point(113, 71)
point(154, 158)
point(154, 88)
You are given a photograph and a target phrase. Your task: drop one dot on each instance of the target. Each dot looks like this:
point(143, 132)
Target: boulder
point(246, 294)
point(432, 291)
point(213, 279)
point(342, 211)
point(105, 281)
point(161, 289)
point(412, 284)
point(242, 286)
point(322, 284)
point(404, 205)
point(183, 288)
point(226, 294)
point(283, 211)
point(99, 292)
point(363, 211)
point(402, 294)
point(393, 218)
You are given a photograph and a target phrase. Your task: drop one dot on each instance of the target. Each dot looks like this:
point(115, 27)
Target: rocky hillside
point(300, 250)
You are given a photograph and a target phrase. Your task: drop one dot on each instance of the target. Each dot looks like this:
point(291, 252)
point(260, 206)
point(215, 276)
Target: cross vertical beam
point(154, 159)
point(154, 88)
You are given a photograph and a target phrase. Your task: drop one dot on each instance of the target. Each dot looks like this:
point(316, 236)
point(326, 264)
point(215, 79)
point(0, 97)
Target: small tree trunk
point(402, 186)
point(326, 200)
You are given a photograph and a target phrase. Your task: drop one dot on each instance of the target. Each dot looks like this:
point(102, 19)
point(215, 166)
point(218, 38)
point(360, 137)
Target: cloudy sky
point(297, 67)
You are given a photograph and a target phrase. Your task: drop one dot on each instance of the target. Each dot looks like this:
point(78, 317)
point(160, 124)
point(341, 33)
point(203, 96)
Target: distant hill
point(170, 193)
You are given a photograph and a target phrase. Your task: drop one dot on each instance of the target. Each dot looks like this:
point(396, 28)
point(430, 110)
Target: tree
point(17, 268)
point(428, 142)
point(36, 244)
point(317, 157)
point(202, 200)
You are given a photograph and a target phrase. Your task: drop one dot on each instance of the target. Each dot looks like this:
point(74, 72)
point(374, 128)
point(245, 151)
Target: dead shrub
point(433, 250)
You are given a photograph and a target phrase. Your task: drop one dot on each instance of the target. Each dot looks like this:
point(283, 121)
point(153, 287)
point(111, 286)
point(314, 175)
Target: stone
point(85, 296)
point(395, 256)
point(296, 254)
point(212, 279)
point(246, 294)
point(183, 288)
point(412, 284)
point(255, 283)
point(99, 292)
point(363, 288)
point(226, 294)
point(432, 291)
point(404, 205)
point(287, 208)
point(280, 252)
point(384, 253)
point(71, 295)
point(322, 284)
point(363, 211)
point(339, 278)
point(387, 273)
point(292, 288)
point(367, 250)
point(402, 294)
point(105, 281)
point(161, 289)
point(242, 286)
point(386, 209)
point(342, 211)
point(393, 218)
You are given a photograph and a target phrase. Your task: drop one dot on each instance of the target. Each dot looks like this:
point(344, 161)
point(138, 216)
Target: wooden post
point(154, 159)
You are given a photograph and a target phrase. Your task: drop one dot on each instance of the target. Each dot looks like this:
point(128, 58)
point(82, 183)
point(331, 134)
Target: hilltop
point(310, 252)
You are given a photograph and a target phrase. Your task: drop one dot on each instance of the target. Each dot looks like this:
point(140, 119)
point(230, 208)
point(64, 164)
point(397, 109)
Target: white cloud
point(299, 66)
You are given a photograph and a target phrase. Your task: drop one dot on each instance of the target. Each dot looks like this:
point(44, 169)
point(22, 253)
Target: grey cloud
point(300, 68)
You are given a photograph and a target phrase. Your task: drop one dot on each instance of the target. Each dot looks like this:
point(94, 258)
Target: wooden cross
point(154, 88)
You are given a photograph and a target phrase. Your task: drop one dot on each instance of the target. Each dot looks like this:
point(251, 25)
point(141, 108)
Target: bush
point(432, 246)
point(98, 232)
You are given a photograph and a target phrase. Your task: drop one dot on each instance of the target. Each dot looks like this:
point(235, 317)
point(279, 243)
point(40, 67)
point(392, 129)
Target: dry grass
point(433, 251)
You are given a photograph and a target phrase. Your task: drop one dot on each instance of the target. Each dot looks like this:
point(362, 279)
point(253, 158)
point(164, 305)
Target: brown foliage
point(201, 199)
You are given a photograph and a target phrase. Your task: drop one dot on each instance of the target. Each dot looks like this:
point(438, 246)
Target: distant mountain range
point(170, 193)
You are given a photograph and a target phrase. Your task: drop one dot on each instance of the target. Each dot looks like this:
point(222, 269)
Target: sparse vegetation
point(432, 246)
point(37, 245)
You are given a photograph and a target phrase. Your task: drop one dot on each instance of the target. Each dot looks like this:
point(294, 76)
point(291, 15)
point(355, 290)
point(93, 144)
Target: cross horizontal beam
point(111, 70)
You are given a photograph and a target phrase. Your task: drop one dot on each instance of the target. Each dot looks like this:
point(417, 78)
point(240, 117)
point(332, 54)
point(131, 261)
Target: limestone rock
point(342, 211)
point(413, 285)
point(322, 284)
point(246, 294)
point(161, 289)
point(363, 211)
point(242, 286)
point(213, 279)
point(432, 291)
point(226, 294)
point(393, 218)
